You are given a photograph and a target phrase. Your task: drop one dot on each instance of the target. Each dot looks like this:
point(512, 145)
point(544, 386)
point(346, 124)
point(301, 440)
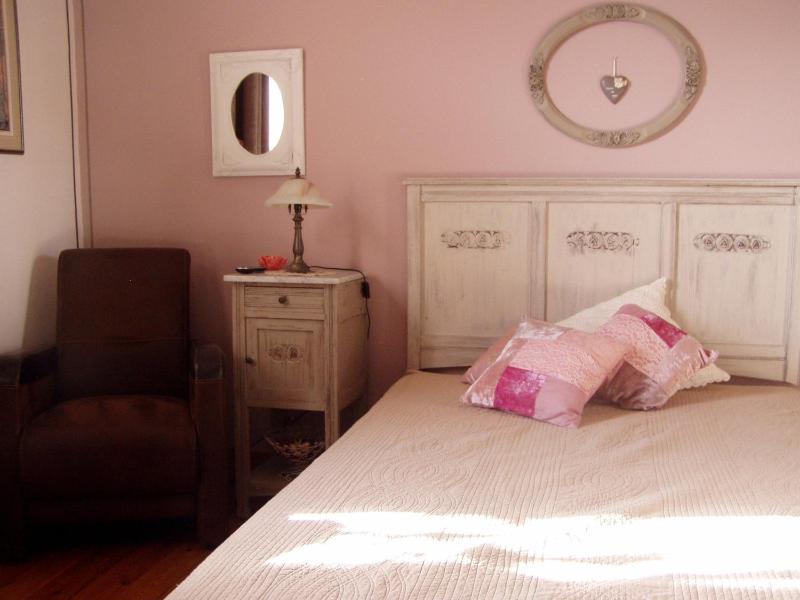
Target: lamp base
point(297, 266)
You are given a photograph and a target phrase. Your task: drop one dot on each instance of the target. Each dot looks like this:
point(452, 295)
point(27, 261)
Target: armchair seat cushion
point(110, 446)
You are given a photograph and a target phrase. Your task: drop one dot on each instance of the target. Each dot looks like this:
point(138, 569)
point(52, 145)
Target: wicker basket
point(297, 449)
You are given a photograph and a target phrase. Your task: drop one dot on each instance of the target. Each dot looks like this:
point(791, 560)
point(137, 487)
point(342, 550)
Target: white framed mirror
point(257, 117)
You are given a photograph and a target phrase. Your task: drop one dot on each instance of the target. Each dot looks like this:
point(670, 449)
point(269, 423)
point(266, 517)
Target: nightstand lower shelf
point(267, 471)
point(266, 478)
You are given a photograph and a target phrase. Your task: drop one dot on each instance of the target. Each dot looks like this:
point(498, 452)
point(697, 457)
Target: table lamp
point(298, 194)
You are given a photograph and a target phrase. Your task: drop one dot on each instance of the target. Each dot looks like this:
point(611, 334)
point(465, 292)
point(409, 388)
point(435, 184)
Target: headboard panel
point(483, 252)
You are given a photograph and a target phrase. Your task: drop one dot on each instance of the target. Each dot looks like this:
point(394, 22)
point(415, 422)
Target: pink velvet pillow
point(547, 373)
point(662, 359)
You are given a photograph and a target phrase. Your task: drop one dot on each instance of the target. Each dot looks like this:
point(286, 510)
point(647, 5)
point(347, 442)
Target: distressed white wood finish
point(277, 379)
point(793, 345)
point(450, 270)
point(317, 276)
point(715, 289)
point(465, 291)
point(297, 345)
point(581, 277)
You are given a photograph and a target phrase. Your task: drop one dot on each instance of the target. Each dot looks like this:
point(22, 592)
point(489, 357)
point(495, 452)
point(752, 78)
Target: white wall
point(37, 206)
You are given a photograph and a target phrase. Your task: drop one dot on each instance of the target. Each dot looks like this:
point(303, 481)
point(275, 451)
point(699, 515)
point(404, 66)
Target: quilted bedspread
point(428, 498)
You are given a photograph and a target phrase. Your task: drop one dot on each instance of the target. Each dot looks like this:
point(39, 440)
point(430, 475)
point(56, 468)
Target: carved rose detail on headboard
point(731, 242)
point(480, 239)
point(602, 241)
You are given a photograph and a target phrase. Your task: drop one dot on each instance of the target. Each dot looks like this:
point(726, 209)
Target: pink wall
point(393, 89)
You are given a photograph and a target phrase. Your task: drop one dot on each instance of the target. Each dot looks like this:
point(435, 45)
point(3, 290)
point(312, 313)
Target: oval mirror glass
point(257, 113)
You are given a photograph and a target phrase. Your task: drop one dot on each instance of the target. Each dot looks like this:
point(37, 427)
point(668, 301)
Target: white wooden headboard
point(484, 252)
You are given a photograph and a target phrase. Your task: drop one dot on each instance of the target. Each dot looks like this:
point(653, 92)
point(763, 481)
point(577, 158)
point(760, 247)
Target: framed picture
point(10, 93)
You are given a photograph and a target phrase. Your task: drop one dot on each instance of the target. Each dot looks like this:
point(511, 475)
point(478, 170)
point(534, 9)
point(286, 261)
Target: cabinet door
point(734, 283)
point(596, 251)
point(477, 276)
point(285, 364)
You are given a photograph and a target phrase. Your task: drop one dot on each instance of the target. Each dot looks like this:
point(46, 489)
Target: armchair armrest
point(207, 403)
point(27, 387)
point(207, 362)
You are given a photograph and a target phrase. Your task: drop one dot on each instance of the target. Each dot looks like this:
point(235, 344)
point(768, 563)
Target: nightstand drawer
point(284, 302)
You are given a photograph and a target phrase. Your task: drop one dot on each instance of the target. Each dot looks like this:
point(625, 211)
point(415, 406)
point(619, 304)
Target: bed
point(428, 498)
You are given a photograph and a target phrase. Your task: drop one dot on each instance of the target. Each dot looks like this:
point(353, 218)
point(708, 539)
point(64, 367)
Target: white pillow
point(652, 297)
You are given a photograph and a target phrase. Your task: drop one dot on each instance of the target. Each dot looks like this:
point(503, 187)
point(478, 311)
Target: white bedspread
point(427, 498)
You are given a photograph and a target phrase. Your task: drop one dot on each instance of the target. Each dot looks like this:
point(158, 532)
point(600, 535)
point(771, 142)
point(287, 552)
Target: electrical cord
point(364, 288)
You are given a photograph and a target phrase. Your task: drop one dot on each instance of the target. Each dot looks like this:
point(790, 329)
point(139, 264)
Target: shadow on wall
point(320, 237)
point(40, 316)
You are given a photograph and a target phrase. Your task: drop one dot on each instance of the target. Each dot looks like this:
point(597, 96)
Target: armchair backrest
point(123, 322)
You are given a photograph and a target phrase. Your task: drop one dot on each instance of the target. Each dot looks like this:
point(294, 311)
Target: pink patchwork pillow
point(527, 328)
point(547, 373)
point(488, 357)
point(662, 359)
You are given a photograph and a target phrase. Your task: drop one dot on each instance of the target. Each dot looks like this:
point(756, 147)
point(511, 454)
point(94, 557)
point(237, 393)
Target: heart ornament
point(614, 87)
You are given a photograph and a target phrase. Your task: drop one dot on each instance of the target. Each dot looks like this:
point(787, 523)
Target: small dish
point(248, 270)
point(272, 263)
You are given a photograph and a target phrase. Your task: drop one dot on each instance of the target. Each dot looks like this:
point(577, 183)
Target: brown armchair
point(123, 419)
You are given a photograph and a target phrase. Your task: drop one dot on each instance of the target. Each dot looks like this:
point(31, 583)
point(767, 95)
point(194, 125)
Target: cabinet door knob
point(250, 360)
point(283, 299)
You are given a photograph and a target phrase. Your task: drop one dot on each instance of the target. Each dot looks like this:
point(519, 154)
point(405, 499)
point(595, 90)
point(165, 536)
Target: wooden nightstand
point(299, 343)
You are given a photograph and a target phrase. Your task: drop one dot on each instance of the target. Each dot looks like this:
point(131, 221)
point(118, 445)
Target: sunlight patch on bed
point(580, 548)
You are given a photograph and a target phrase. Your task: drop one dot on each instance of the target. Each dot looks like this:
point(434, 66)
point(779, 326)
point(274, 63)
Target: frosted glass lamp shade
point(297, 191)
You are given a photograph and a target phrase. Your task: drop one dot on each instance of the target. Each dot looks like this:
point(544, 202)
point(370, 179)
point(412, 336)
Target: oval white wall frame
point(228, 69)
point(685, 44)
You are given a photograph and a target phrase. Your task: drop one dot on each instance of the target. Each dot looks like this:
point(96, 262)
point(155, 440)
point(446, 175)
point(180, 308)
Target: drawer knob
point(283, 300)
point(250, 360)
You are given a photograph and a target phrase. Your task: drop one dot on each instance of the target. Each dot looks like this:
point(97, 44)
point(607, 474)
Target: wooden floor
point(121, 563)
